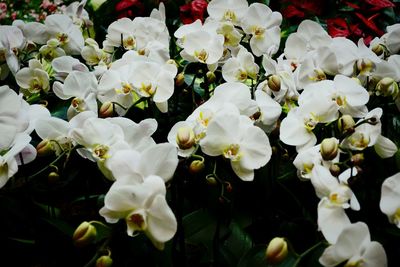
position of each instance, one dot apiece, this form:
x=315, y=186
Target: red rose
x=129, y=8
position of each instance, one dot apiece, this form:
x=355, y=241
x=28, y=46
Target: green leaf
x=24, y=241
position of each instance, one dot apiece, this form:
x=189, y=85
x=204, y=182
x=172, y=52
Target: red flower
x=379, y=4
x=129, y=8
x=193, y=11
x=337, y=27
x=302, y=8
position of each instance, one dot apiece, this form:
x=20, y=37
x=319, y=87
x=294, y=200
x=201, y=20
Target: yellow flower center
x=201, y=55
x=232, y=152
x=129, y=43
x=100, y=152
x=229, y=15
x=62, y=38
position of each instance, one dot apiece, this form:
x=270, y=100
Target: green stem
x=305, y=253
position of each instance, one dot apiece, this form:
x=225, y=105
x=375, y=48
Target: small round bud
x=84, y=234
x=104, y=261
x=185, y=138
x=44, y=148
x=335, y=170
x=196, y=166
x=387, y=87
x=211, y=180
x=53, y=43
x=378, y=49
x=53, y=177
x=329, y=148
x=211, y=77
x=106, y=110
x=276, y=251
x=180, y=79
x=274, y=83
x=346, y=124
x=357, y=159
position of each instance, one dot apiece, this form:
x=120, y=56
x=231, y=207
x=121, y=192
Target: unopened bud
x=277, y=250
x=180, y=79
x=387, y=87
x=104, y=261
x=185, y=138
x=378, y=49
x=346, y=124
x=106, y=110
x=329, y=148
x=357, y=159
x=53, y=43
x=44, y=148
x=211, y=180
x=210, y=77
x=274, y=83
x=84, y=234
x=196, y=166
x=335, y=170
x=53, y=177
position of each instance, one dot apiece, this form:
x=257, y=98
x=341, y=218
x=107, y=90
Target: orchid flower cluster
x=313, y=98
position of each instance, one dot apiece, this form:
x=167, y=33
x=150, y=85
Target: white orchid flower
x=390, y=198
x=264, y=26
x=62, y=28
x=309, y=36
x=8, y=161
x=391, y=39
x=11, y=39
x=131, y=164
x=227, y=10
x=269, y=111
x=62, y=66
x=34, y=79
x=143, y=207
x=354, y=248
x=297, y=128
x=236, y=138
x=349, y=96
x=82, y=86
x=241, y=67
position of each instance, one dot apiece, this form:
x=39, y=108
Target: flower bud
x=106, y=110
x=53, y=177
x=211, y=180
x=84, y=234
x=185, y=138
x=44, y=148
x=172, y=62
x=196, y=166
x=329, y=148
x=346, y=124
x=274, y=83
x=210, y=77
x=387, y=87
x=335, y=170
x=104, y=261
x=180, y=79
x=357, y=159
x=53, y=43
x=378, y=49
x=277, y=250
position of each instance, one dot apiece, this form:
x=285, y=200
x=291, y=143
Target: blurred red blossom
x=193, y=11
x=302, y=9
x=129, y=8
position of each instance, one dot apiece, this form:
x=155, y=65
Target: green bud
x=346, y=124
x=387, y=87
x=196, y=166
x=180, y=79
x=106, y=110
x=44, y=148
x=104, y=261
x=276, y=251
x=210, y=77
x=84, y=234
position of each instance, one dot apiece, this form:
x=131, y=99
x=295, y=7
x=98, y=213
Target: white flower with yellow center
x=390, y=198
x=264, y=27
x=11, y=39
x=62, y=28
x=227, y=10
x=354, y=248
x=241, y=67
x=143, y=207
x=236, y=138
x=33, y=79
